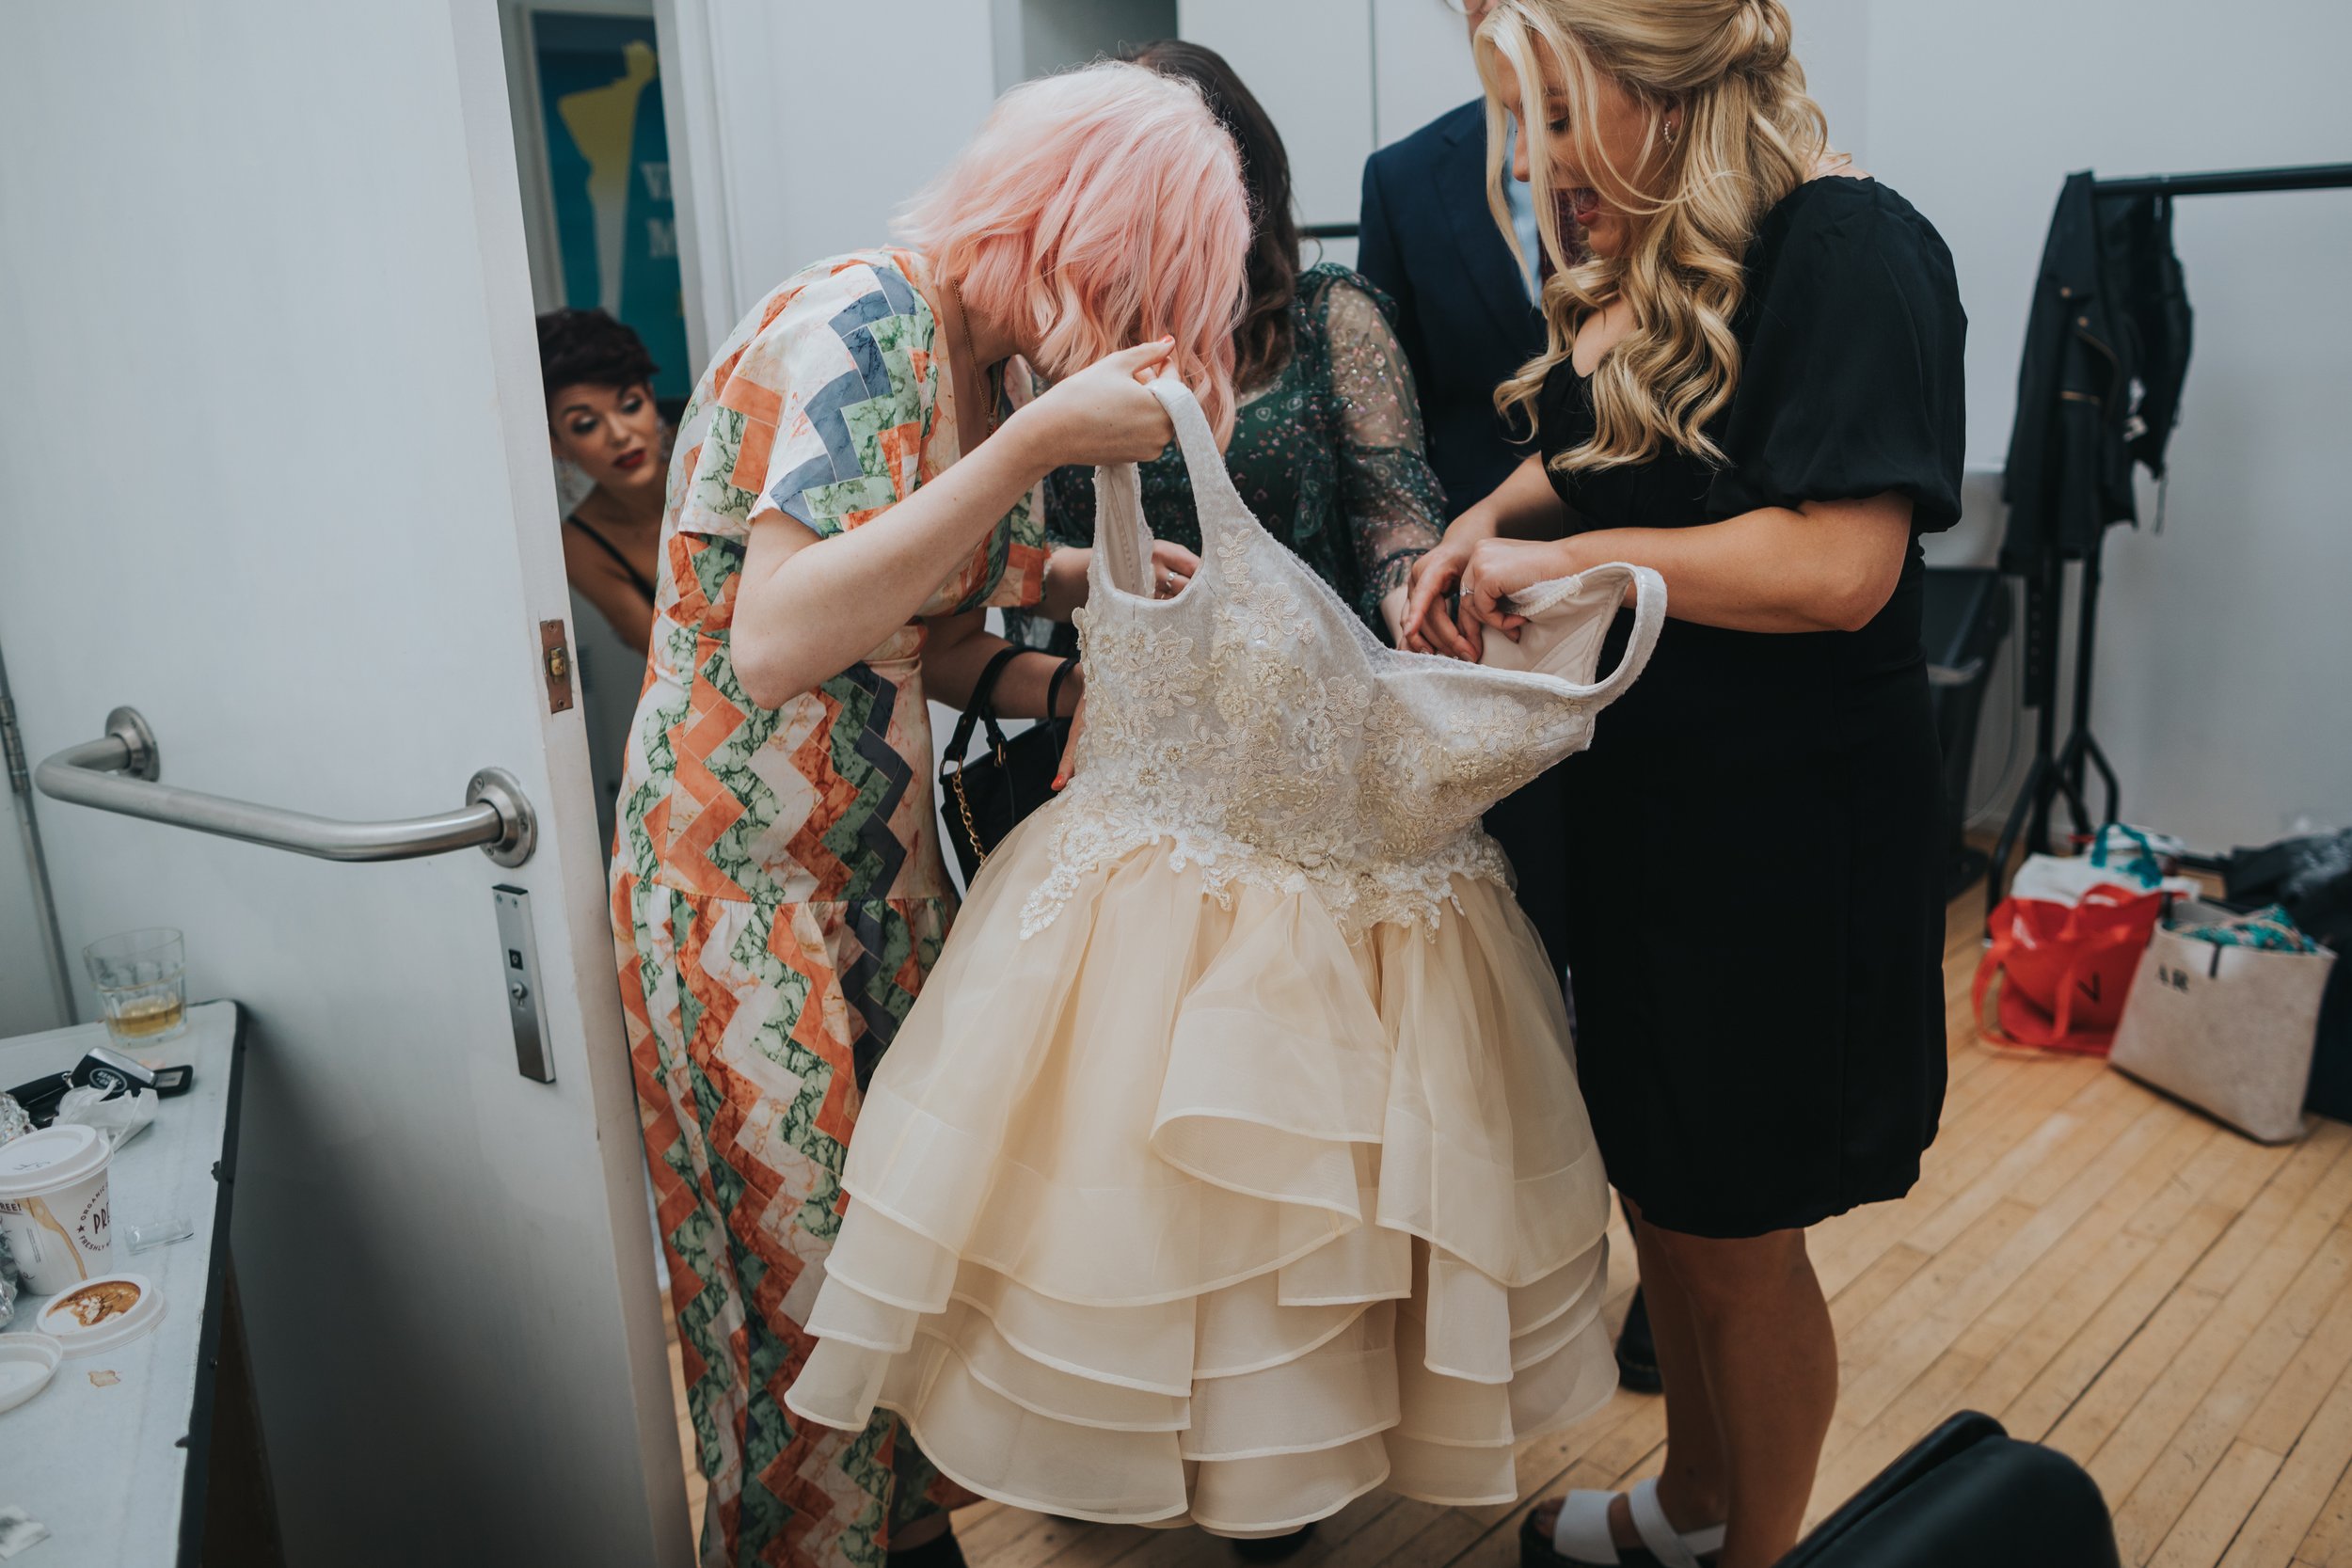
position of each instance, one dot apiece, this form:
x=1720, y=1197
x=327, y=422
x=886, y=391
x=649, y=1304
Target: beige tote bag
x=2227, y=1029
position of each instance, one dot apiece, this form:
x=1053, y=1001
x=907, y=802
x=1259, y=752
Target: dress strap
x=1568, y=618
x=1122, y=536
x=1122, y=539
x=1218, y=505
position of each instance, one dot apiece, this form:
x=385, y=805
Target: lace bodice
x=1254, y=724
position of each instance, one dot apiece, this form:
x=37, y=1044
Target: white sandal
x=1581, y=1535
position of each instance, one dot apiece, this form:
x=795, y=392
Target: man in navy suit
x=1467, y=319
x=1464, y=311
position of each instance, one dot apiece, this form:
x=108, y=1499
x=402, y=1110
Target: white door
x=273, y=471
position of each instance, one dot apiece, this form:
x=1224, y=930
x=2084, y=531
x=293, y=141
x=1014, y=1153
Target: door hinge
x=555, y=663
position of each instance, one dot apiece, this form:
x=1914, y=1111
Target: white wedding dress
x=1232, y=1163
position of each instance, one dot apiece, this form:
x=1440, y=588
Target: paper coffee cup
x=55, y=1209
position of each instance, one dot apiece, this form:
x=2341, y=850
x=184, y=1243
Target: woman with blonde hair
x=1753, y=386
x=853, y=485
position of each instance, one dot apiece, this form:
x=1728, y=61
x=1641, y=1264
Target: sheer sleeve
x=1394, y=507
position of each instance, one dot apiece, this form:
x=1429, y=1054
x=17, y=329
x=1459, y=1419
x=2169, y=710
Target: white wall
x=1340, y=78
x=28, y=1000
x=1420, y=66
x=1035, y=38
x=1310, y=63
x=797, y=127
x=2220, y=692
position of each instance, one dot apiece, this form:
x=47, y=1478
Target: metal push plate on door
x=518, y=959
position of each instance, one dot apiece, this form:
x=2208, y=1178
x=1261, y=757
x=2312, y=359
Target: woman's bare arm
x=1823, y=567
x=807, y=608
x=959, y=647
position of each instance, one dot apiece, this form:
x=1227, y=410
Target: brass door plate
x=555, y=662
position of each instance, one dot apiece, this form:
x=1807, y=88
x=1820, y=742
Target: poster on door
x=608, y=172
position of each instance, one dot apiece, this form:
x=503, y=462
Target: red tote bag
x=2065, y=969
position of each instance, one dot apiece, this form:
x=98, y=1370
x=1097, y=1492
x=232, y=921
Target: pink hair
x=1105, y=208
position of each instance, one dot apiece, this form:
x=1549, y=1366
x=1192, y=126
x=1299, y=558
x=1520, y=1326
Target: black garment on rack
x=2099, y=386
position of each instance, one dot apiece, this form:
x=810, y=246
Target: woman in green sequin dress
x=1327, y=448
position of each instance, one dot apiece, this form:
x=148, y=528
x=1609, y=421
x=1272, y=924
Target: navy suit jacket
x=1427, y=239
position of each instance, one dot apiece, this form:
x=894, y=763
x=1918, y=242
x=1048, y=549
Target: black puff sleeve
x=1852, y=381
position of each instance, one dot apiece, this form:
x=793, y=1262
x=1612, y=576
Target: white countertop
x=98, y=1455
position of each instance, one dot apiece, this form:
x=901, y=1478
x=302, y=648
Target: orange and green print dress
x=778, y=895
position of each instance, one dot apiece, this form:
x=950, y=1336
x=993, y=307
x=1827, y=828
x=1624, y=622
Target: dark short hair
x=589, y=348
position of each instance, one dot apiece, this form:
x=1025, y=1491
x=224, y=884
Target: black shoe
x=1273, y=1548
x=1637, y=1352
x=939, y=1552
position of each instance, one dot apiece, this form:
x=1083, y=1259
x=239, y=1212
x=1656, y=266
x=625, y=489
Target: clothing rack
x=2230, y=181
x=2062, y=769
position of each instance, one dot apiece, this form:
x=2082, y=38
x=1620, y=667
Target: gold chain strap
x=964, y=809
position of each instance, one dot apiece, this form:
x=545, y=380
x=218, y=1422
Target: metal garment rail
x=2228, y=182
x=119, y=773
x=2063, y=768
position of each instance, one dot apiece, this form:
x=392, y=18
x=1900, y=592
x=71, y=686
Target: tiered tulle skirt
x=1189, y=1209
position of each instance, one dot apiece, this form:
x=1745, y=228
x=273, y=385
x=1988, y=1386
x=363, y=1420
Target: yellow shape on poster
x=603, y=124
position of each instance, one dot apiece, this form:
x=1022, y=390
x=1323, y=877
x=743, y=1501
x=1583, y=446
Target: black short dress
x=1754, y=918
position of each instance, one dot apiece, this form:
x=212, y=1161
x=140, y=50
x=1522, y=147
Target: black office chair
x=1968, y=1496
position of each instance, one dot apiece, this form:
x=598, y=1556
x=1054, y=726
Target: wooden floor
x=2100, y=1268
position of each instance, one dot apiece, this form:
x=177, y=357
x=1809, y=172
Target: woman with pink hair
x=854, y=481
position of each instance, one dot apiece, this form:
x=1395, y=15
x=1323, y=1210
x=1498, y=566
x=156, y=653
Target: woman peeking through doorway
x=601, y=418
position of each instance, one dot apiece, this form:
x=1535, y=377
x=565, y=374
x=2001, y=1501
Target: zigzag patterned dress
x=778, y=896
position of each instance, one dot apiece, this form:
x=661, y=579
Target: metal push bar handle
x=119, y=774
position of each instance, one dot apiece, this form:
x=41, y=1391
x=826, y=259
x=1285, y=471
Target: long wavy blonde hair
x=1749, y=135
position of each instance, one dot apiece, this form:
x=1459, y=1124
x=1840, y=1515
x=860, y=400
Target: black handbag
x=1965, y=1496
x=982, y=798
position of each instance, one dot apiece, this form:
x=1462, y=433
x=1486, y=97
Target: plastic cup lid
x=40, y=1162
x=27, y=1363
x=99, y=1314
